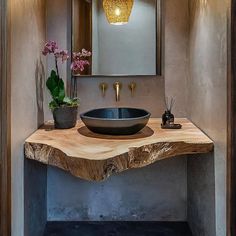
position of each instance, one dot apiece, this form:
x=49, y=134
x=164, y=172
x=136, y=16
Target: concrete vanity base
x=120, y=228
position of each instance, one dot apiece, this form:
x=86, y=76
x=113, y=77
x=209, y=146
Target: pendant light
x=118, y=11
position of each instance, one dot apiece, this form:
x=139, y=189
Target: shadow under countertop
x=117, y=228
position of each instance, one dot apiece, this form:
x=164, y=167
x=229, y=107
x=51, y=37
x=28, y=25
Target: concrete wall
x=208, y=110
x=72, y=203
x=35, y=198
x=27, y=78
x=138, y=194
x=201, y=195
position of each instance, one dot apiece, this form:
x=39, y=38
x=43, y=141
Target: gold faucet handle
x=103, y=87
x=132, y=87
x=117, y=84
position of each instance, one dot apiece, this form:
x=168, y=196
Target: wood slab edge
x=98, y=170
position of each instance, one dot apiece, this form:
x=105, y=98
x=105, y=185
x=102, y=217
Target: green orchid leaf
x=75, y=101
x=61, y=89
x=53, y=105
x=67, y=100
x=56, y=87
x=71, y=101
x=52, y=81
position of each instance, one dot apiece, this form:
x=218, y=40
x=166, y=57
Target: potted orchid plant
x=63, y=107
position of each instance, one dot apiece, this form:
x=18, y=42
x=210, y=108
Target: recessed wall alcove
x=189, y=189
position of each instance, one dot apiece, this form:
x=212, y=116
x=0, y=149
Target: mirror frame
x=159, y=48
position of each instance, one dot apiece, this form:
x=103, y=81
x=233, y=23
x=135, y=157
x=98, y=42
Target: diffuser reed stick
x=169, y=104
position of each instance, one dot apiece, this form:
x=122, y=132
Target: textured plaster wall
x=27, y=76
x=207, y=101
x=57, y=17
x=176, y=46
x=68, y=196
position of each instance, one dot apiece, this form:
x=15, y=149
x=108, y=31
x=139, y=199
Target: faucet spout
x=117, y=87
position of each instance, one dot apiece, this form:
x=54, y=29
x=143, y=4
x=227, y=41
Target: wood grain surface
x=95, y=157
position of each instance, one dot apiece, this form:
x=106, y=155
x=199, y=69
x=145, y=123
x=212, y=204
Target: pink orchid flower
x=49, y=47
x=63, y=54
x=79, y=65
x=86, y=53
x=83, y=53
x=78, y=60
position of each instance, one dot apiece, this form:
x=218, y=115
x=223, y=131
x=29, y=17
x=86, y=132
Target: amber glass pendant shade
x=118, y=11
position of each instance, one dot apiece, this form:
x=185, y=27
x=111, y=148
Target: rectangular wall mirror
x=124, y=36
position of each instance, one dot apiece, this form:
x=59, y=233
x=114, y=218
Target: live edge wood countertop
x=95, y=157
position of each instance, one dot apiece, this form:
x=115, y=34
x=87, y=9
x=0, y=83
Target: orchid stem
x=57, y=67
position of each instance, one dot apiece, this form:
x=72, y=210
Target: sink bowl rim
x=82, y=115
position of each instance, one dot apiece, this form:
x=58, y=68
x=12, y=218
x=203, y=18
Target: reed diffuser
x=168, y=118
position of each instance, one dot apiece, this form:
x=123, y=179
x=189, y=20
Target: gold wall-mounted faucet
x=103, y=86
x=132, y=87
x=117, y=86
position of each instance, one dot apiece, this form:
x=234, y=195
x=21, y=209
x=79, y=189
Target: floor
x=117, y=229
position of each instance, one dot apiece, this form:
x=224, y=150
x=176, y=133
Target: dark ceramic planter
x=65, y=117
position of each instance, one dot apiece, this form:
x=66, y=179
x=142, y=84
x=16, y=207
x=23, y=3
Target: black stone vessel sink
x=116, y=121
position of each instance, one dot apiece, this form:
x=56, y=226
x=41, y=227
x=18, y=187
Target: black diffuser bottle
x=168, y=118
